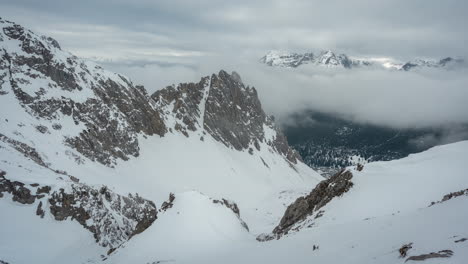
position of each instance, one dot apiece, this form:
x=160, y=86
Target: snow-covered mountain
x=331, y=59
x=75, y=139
x=95, y=170
x=367, y=214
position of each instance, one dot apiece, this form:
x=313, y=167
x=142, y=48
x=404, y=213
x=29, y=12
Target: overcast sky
x=176, y=31
x=162, y=42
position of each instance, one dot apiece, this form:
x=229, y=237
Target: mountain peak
x=222, y=106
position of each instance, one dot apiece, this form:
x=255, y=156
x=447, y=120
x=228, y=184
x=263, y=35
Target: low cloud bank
x=398, y=99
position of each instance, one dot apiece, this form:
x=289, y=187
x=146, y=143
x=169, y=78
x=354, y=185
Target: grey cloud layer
x=163, y=42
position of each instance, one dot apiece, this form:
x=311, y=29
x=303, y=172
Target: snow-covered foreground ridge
x=419, y=201
x=87, y=158
x=88, y=162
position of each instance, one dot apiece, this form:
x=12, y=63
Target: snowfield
x=386, y=208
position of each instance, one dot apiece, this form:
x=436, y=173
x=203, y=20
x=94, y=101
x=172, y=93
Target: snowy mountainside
x=91, y=137
x=432, y=178
x=69, y=98
x=330, y=59
x=389, y=204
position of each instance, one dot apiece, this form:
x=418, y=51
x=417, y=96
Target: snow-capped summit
x=285, y=59
x=447, y=62
x=331, y=59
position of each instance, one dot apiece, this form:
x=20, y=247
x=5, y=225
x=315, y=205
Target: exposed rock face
x=112, y=218
x=441, y=254
x=167, y=204
x=404, y=249
x=182, y=105
x=50, y=84
x=23, y=148
x=224, y=107
x=322, y=194
x=451, y=196
x=19, y=191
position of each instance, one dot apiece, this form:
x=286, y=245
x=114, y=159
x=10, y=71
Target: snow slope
x=387, y=207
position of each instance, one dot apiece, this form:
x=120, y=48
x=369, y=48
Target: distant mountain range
x=331, y=59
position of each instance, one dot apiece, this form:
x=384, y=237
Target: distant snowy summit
x=331, y=59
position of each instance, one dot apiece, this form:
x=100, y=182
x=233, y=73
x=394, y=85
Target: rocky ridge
x=222, y=106
x=105, y=113
x=297, y=213
x=112, y=218
x=106, y=109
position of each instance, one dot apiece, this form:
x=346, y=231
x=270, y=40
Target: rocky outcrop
x=167, y=204
x=112, y=218
x=451, y=196
x=19, y=191
x=404, y=249
x=234, y=208
x=440, y=254
x=222, y=106
x=23, y=148
x=181, y=105
x=307, y=205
